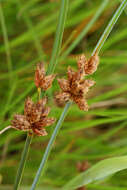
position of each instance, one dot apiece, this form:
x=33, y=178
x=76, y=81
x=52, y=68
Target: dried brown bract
x=75, y=88
x=34, y=118
x=92, y=64
x=41, y=80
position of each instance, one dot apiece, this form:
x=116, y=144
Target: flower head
x=34, y=118
x=92, y=64
x=42, y=81
x=75, y=88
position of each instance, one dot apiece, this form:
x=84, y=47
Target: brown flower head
x=41, y=80
x=92, y=64
x=75, y=88
x=34, y=118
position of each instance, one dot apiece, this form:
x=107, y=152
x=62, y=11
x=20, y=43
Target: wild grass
x=91, y=136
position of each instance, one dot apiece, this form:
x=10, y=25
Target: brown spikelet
x=34, y=119
x=81, y=102
x=20, y=123
x=82, y=61
x=75, y=88
x=42, y=81
x=92, y=64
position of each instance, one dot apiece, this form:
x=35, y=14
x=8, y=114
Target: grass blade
x=6, y=42
x=99, y=171
x=110, y=26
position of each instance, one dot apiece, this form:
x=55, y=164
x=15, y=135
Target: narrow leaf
x=99, y=171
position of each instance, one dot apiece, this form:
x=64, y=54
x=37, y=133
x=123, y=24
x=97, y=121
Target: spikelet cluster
x=76, y=87
x=35, y=118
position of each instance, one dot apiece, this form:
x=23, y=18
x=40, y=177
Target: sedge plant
x=97, y=49
x=54, y=60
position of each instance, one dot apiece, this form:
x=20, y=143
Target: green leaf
x=99, y=171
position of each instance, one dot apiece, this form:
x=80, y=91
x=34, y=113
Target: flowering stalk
x=51, y=67
x=110, y=26
x=58, y=37
x=64, y=113
x=22, y=162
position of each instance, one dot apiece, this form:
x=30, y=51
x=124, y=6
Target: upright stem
x=110, y=27
x=49, y=147
x=58, y=36
x=22, y=162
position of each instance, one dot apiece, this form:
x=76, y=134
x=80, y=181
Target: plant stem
x=6, y=42
x=5, y=129
x=110, y=27
x=85, y=30
x=22, y=162
x=58, y=36
x=49, y=147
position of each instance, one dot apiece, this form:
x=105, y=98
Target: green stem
x=58, y=37
x=85, y=30
x=110, y=27
x=6, y=42
x=22, y=162
x=50, y=145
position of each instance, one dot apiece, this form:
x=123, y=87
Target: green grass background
x=26, y=36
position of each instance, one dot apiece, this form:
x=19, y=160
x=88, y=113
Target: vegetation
x=26, y=36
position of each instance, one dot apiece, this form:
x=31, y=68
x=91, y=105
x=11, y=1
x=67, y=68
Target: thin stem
x=58, y=36
x=50, y=145
x=6, y=42
x=22, y=162
x=86, y=29
x=110, y=27
x=5, y=129
x=30, y=26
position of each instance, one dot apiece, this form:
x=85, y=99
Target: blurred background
x=27, y=30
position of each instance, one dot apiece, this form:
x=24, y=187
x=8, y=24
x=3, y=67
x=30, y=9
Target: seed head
x=75, y=88
x=34, y=118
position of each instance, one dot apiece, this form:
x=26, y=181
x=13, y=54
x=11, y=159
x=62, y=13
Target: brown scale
x=41, y=80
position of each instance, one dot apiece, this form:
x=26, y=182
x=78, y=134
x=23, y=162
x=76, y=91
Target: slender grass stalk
x=12, y=82
x=110, y=26
x=51, y=67
x=6, y=42
x=58, y=37
x=22, y=162
x=5, y=129
x=98, y=47
x=50, y=145
x=36, y=40
x=86, y=29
